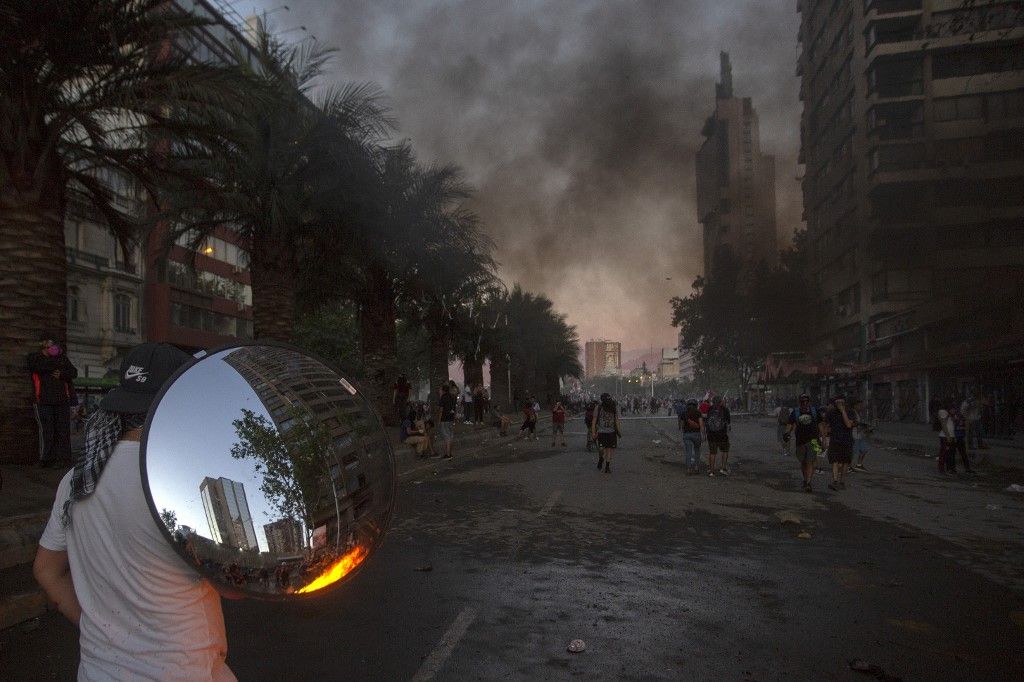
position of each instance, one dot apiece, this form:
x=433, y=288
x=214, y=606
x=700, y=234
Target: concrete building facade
x=735, y=180
x=601, y=357
x=913, y=143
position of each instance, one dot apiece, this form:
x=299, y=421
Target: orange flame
x=338, y=570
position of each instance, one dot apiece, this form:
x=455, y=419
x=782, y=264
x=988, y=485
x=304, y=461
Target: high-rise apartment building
x=735, y=181
x=913, y=144
x=284, y=537
x=227, y=513
x=601, y=357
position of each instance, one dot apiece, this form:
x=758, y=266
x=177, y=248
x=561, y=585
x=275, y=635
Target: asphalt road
x=496, y=562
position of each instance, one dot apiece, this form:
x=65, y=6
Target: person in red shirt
x=705, y=406
x=558, y=423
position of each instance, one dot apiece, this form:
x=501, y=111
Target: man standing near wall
x=52, y=392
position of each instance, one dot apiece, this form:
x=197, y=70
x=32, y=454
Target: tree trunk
x=500, y=389
x=379, y=341
x=33, y=300
x=439, y=352
x=273, y=271
x=552, y=391
x=473, y=371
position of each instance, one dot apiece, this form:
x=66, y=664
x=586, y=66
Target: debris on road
x=788, y=517
x=861, y=666
x=1015, y=488
x=656, y=442
x=425, y=568
x=576, y=646
x=993, y=507
x=804, y=535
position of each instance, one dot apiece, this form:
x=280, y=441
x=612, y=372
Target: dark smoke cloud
x=578, y=122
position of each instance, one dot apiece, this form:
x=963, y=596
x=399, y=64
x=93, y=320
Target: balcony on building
x=893, y=31
x=890, y=7
x=896, y=78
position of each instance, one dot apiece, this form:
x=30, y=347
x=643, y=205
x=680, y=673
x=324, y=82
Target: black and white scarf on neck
x=103, y=430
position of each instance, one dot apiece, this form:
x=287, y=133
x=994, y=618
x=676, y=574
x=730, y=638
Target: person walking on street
x=588, y=421
x=960, y=436
x=52, y=394
x=447, y=404
x=693, y=427
x=558, y=423
x=971, y=409
x=861, y=435
x=400, y=396
x=606, y=431
x=528, y=429
x=142, y=614
x=717, y=426
x=947, y=440
x=840, y=442
x=805, y=427
x=782, y=428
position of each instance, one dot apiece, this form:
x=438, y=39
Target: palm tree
x=292, y=158
x=381, y=254
x=537, y=342
x=92, y=93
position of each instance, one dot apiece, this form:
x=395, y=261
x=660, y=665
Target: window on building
x=123, y=313
x=76, y=307
x=896, y=77
x=897, y=120
x=958, y=108
x=1000, y=105
x=897, y=283
x=896, y=157
x=972, y=62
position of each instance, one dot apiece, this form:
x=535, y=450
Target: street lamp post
x=508, y=370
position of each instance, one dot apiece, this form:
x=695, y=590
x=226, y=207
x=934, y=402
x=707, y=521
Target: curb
x=15, y=609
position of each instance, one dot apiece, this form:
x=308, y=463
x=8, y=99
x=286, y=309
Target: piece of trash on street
x=786, y=516
x=425, y=568
x=993, y=507
x=656, y=442
x=907, y=537
x=804, y=535
x=862, y=666
x=576, y=646
x=1015, y=488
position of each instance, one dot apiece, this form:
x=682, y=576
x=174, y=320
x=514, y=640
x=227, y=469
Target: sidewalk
x=921, y=438
x=27, y=497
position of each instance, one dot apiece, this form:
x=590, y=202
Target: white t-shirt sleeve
x=54, y=537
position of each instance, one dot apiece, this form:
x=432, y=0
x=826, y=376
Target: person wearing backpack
x=606, y=431
x=806, y=427
x=717, y=426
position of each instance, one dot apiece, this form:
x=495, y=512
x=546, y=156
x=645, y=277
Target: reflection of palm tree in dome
x=294, y=463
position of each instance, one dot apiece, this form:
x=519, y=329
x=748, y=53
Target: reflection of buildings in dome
x=284, y=537
x=287, y=383
x=227, y=513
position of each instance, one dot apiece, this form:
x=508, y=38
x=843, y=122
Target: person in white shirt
x=947, y=440
x=142, y=613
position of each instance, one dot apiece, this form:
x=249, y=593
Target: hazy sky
x=577, y=121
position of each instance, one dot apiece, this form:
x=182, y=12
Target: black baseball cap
x=144, y=371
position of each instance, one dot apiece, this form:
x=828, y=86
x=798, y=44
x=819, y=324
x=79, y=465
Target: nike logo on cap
x=137, y=373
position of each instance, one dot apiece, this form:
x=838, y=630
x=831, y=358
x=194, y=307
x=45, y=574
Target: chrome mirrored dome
x=270, y=473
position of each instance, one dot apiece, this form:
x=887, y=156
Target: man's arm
x=53, y=573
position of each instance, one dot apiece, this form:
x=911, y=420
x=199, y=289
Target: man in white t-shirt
x=141, y=611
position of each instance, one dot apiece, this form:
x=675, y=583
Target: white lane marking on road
x=551, y=502
x=446, y=646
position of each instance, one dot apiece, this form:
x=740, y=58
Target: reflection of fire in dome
x=338, y=570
